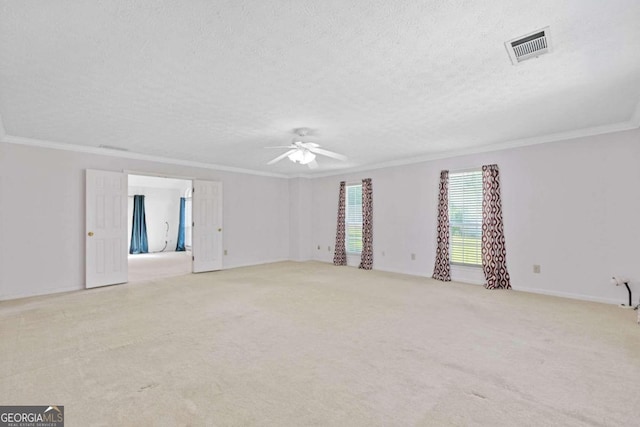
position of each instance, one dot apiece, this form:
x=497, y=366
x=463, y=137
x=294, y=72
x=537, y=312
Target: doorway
x=109, y=235
x=162, y=219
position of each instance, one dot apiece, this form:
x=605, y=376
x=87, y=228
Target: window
x=353, y=219
x=465, y=217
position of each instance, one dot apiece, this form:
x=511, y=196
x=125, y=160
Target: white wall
x=300, y=226
x=42, y=241
x=4, y=202
x=573, y=207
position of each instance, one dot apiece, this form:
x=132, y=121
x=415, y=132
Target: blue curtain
x=139, y=243
x=180, y=245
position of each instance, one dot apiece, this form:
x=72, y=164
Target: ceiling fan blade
x=281, y=146
x=313, y=164
x=328, y=153
x=310, y=145
x=280, y=157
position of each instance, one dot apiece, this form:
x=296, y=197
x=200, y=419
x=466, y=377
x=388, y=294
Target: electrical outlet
x=536, y=268
x=225, y=252
x=413, y=257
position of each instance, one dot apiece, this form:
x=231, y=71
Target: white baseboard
x=305, y=259
x=569, y=295
x=391, y=270
x=518, y=289
x=251, y=264
x=40, y=293
x=80, y=288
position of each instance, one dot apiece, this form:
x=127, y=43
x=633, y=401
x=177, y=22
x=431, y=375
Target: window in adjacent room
x=465, y=217
x=353, y=219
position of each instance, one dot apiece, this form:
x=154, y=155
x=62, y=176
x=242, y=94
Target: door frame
x=158, y=175
x=186, y=178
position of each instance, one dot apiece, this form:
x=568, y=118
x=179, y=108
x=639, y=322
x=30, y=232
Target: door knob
x=90, y=234
x=219, y=229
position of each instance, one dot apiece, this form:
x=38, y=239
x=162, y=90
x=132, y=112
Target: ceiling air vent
x=529, y=46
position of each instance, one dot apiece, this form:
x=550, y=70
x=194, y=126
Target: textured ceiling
x=379, y=80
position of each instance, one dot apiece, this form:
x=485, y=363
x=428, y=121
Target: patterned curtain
x=442, y=268
x=340, y=254
x=494, y=253
x=366, y=257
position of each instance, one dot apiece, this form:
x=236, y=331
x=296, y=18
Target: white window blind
x=353, y=219
x=465, y=217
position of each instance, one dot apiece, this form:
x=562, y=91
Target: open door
x=106, y=228
x=207, y=226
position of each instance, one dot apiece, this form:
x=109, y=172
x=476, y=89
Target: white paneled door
x=207, y=226
x=106, y=228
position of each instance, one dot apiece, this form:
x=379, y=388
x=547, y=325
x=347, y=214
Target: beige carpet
x=143, y=267
x=298, y=344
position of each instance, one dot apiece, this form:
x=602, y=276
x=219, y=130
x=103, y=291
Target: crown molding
x=633, y=123
x=301, y=176
x=130, y=155
x=554, y=137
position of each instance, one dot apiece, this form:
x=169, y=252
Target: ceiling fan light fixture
x=302, y=156
x=304, y=153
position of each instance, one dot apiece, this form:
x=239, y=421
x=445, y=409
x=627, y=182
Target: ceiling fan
x=304, y=152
